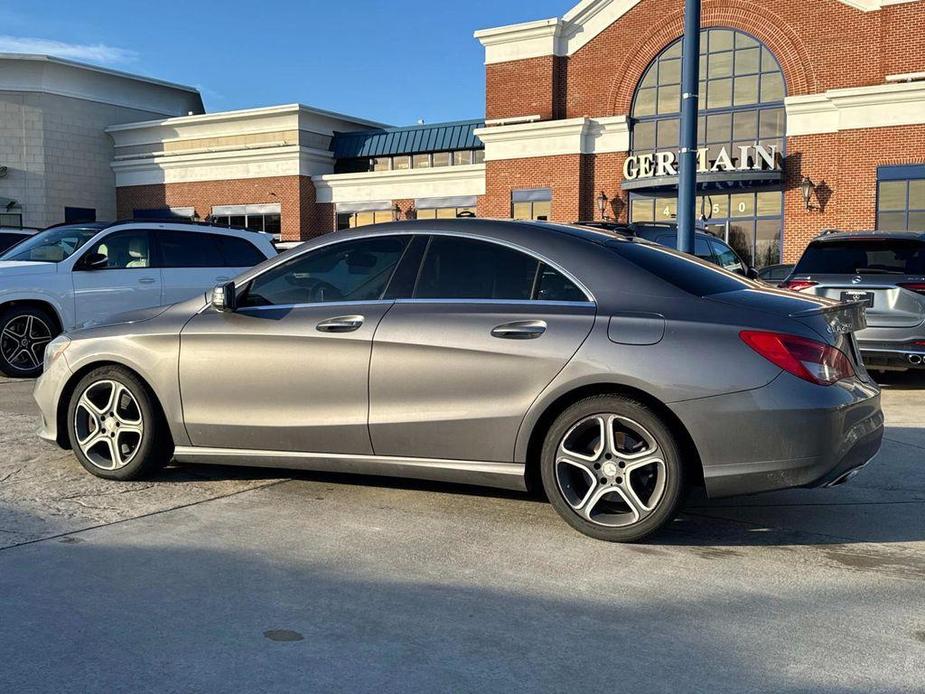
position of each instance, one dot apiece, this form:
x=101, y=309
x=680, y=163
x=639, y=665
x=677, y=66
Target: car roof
x=836, y=235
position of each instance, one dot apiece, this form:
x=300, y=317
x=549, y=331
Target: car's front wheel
x=612, y=469
x=24, y=333
x=115, y=427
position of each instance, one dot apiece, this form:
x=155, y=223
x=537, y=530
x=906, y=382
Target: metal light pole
x=690, y=83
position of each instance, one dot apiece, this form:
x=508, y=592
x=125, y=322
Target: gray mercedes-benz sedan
x=613, y=372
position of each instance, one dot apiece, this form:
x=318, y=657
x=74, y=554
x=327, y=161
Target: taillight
x=810, y=360
x=917, y=287
x=797, y=285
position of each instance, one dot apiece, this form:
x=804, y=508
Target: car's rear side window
x=239, y=252
x=863, y=256
x=701, y=248
x=187, y=249
x=459, y=268
x=690, y=275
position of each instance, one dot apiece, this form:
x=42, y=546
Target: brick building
x=825, y=97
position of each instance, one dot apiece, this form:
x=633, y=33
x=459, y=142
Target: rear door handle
x=340, y=324
x=520, y=330
x=147, y=280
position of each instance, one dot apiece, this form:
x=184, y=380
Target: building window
x=266, y=217
x=901, y=198
x=751, y=222
x=411, y=161
x=741, y=97
x=445, y=213
x=534, y=203
x=76, y=215
x=349, y=220
x=11, y=220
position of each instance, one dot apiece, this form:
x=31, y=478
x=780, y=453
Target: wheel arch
x=689, y=454
x=70, y=386
x=42, y=304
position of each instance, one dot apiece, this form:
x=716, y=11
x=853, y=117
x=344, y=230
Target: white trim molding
x=183, y=167
x=555, y=137
x=407, y=184
x=566, y=35
x=877, y=106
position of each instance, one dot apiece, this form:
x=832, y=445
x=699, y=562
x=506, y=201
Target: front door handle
x=340, y=324
x=520, y=330
x=147, y=280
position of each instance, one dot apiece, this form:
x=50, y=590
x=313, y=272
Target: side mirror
x=752, y=274
x=224, y=297
x=94, y=261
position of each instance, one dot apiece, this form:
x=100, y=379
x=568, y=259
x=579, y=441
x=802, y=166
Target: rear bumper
x=789, y=433
x=892, y=355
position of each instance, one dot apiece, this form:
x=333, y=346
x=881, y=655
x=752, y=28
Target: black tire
x=668, y=492
x=146, y=453
x=24, y=333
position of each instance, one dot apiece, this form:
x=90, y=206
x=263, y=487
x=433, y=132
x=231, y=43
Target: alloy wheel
x=610, y=470
x=109, y=424
x=23, y=340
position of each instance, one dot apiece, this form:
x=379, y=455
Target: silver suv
x=886, y=271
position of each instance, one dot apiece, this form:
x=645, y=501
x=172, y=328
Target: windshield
x=52, y=245
x=864, y=257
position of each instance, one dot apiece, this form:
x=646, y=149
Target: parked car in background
x=706, y=246
x=775, y=274
x=484, y=352
x=74, y=274
x=884, y=270
x=10, y=236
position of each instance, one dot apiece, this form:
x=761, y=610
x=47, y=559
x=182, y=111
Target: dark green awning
x=415, y=139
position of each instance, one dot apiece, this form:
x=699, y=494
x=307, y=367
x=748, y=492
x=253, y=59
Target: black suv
x=706, y=246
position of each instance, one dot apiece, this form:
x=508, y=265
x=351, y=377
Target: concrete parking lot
x=252, y=580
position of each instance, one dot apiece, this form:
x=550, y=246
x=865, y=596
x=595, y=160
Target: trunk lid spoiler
x=841, y=318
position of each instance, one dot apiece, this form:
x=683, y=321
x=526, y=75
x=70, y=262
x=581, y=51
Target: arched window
x=741, y=95
x=741, y=104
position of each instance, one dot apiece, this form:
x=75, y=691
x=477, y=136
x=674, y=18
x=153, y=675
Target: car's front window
x=52, y=245
x=349, y=271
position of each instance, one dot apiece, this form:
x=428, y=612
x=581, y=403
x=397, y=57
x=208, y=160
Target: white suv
x=73, y=274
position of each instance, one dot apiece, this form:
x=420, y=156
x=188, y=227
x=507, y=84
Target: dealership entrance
x=750, y=221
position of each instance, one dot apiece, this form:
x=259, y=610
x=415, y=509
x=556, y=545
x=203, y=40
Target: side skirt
x=502, y=475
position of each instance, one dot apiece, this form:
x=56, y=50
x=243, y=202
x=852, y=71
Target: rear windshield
x=864, y=257
x=688, y=274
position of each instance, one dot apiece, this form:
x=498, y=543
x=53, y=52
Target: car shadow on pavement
x=198, y=605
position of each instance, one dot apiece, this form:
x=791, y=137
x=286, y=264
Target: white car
x=73, y=274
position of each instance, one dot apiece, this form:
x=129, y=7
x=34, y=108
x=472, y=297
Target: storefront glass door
x=750, y=222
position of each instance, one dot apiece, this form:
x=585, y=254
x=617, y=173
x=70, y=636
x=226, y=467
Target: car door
x=123, y=278
x=194, y=261
x=288, y=369
x=455, y=367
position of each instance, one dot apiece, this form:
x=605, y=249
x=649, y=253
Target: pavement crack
x=7, y=476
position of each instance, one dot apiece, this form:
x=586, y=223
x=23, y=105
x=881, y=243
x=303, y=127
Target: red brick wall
x=301, y=216
x=521, y=88
x=844, y=168
x=566, y=175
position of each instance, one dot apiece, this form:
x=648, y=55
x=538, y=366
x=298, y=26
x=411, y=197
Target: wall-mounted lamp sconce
x=602, y=205
x=808, y=189
x=396, y=212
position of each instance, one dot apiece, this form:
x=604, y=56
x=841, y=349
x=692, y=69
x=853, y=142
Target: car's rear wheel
x=612, y=469
x=115, y=427
x=24, y=333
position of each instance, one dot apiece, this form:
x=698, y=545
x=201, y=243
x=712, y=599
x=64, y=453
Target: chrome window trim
x=383, y=302
x=422, y=232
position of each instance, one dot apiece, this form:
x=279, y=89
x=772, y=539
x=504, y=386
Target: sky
x=392, y=61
